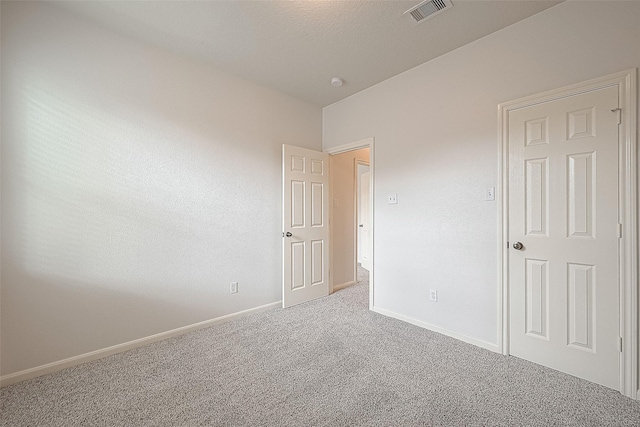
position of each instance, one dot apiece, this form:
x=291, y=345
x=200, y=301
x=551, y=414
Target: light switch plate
x=490, y=194
x=392, y=199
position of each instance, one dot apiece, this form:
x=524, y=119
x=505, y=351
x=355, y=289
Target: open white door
x=305, y=225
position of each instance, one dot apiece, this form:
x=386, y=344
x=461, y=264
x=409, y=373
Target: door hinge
x=619, y=112
x=619, y=231
x=620, y=344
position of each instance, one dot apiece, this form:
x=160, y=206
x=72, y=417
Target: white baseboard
x=344, y=285
x=49, y=368
x=469, y=340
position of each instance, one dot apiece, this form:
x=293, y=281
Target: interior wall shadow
x=62, y=318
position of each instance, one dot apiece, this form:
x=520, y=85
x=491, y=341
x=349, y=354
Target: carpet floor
x=330, y=362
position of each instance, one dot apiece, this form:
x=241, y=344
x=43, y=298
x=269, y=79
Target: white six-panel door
x=305, y=214
x=563, y=210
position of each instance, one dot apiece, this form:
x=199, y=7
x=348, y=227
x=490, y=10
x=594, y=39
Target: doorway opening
x=351, y=214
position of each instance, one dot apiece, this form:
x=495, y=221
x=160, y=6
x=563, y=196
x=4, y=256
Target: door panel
x=305, y=246
x=581, y=306
x=581, y=182
x=563, y=208
x=537, y=196
x=537, y=291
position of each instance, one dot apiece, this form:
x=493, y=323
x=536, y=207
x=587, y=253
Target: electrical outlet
x=233, y=288
x=392, y=199
x=433, y=295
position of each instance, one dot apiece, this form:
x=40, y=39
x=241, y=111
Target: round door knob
x=288, y=234
x=518, y=246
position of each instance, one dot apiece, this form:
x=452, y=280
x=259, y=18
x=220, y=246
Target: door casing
x=625, y=81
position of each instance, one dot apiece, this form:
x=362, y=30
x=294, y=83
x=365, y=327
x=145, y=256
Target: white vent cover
x=428, y=9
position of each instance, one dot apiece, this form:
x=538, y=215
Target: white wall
x=136, y=185
x=435, y=129
x=343, y=211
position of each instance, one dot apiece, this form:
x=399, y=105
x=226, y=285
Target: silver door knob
x=288, y=234
x=518, y=246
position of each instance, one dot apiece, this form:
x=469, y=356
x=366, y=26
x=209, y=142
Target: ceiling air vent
x=428, y=9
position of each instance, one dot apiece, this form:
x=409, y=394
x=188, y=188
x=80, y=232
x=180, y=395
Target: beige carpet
x=330, y=362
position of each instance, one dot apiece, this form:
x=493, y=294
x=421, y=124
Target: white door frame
x=364, y=143
x=627, y=214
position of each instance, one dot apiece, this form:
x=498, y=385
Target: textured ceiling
x=297, y=46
